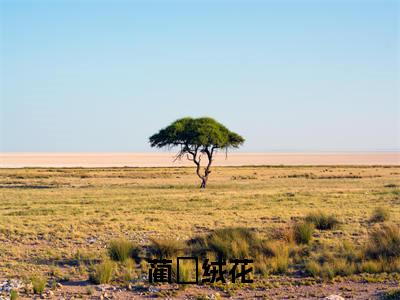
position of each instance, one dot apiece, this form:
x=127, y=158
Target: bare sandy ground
x=166, y=159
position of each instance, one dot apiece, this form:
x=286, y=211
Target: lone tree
x=197, y=137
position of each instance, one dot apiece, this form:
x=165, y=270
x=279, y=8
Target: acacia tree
x=197, y=138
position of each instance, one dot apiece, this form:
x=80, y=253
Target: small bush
x=384, y=243
x=380, y=214
x=38, y=284
x=322, y=221
x=303, y=232
x=166, y=248
x=102, y=273
x=121, y=250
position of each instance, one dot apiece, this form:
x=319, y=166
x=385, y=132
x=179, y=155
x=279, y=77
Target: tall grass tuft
x=102, y=273
x=38, y=284
x=380, y=214
x=232, y=242
x=186, y=271
x=370, y=266
x=303, y=232
x=121, y=250
x=384, y=243
x=280, y=262
x=128, y=271
x=322, y=221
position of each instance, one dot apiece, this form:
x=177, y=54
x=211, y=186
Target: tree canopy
x=195, y=137
x=202, y=132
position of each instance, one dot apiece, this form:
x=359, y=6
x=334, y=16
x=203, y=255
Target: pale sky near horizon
x=288, y=75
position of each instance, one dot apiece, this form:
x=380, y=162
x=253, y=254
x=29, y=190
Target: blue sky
x=287, y=75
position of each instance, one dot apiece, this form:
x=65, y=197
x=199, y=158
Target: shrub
x=121, y=250
x=303, y=232
x=380, y=214
x=38, y=284
x=322, y=221
x=166, y=248
x=384, y=243
x=102, y=273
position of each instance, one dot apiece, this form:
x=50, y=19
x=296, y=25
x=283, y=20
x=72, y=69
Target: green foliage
x=322, y=221
x=121, y=250
x=38, y=284
x=384, y=243
x=380, y=214
x=102, y=273
x=202, y=132
x=303, y=232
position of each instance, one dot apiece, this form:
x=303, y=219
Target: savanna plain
x=312, y=231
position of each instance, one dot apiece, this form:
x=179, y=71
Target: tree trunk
x=203, y=182
x=197, y=161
